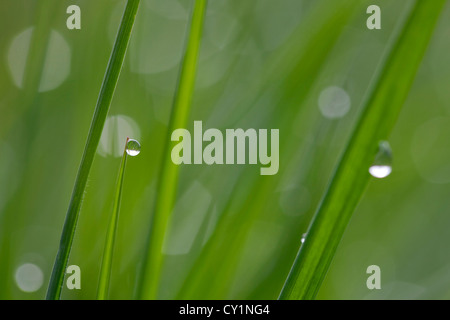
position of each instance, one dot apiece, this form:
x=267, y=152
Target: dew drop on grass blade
x=98, y=120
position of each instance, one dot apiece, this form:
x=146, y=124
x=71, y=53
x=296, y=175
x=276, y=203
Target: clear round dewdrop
x=133, y=147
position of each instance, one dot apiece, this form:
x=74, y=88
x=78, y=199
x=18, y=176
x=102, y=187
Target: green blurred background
x=302, y=66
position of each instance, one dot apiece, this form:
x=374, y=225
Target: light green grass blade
x=381, y=108
x=167, y=184
x=299, y=71
x=105, y=271
x=101, y=110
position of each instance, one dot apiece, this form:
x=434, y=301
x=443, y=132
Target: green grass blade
x=299, y=75
x=105, y=271
x=383, y=103
x=168, y=178
x=101, y=110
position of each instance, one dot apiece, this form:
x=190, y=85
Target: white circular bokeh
x=56, y=67
x=334, y=102
x=29, y=277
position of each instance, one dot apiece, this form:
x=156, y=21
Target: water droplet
x=382, y=166
x=29, y=277
x=133, y=147
x=303, y=237
x=116, y=130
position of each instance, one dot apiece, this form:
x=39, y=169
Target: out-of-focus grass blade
x=95, y=131
x=105, y=271
x=295, y=68
x=26, y=111
x=168, y=178
x=383, y=103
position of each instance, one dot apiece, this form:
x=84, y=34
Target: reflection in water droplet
x=303, y=238
x=380, y=171
x=133, y=147
x=29, y=277
x=382, y=166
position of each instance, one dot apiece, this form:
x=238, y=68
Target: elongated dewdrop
x=133, y=147
x=382, y=165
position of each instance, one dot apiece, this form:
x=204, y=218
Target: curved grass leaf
x=383, y=103
x=95, y=131
x=168, y=178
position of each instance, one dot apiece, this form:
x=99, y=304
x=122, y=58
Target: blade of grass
x=167, y=183
x=298, y=76
x=105, y=271
x=101, y=110
x=383, y=103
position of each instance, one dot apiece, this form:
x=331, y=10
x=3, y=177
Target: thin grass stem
x=101, y=110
